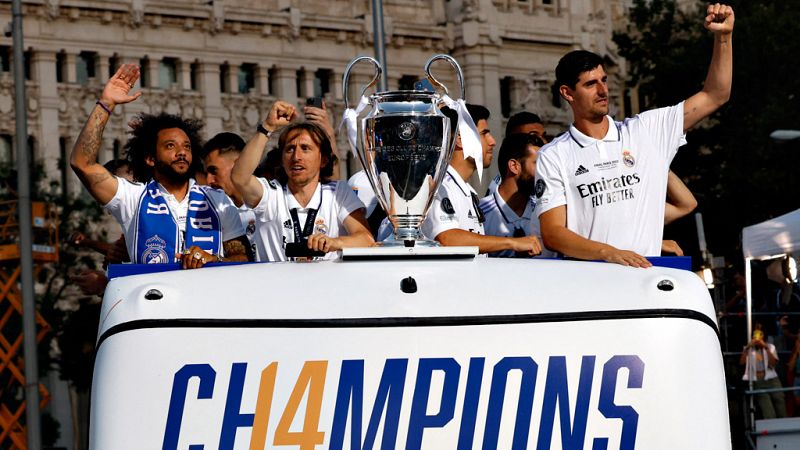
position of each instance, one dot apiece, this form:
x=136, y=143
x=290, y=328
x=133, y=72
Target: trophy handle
x=453, y=63
x=346, y=77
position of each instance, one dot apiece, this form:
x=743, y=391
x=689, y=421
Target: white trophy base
x=402, y=252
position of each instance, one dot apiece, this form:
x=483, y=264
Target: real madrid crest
x=628, y=159
x=539, y=188
x=155, y=253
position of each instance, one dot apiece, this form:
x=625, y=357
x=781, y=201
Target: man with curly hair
x=165, y=216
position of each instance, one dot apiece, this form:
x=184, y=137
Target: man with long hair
x=303, y=209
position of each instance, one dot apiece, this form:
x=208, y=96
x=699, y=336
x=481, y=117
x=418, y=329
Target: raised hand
x=119, y=86
x=719, y=19
x=280, y=115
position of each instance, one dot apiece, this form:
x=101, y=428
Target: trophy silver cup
x=405, y=144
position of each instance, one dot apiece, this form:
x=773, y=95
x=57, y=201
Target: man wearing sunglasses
x=509, y=208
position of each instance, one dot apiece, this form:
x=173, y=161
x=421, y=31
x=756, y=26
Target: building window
x=6, y=149
x=61, y=64
x=5, y=58
x=144, y=66
x=322, y=82
x=62, y=164
x=299, y=82
x=194, y=70
x=113, y=65
x=86, y=67
x=27, y=59
x=247, y=78
x=406, y=82
x=116, y=148
x=272, y=74
x=505, y=95
x=223, y=78
x=167, y=73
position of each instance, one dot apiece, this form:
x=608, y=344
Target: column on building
x=102, y=63
x=286, y=83
x=232, y=79
x=209, y=87
x=262, y=79
x=71, y=67
x=307, y=82
x=184, y=74
x=44, y=71
x=153, y=72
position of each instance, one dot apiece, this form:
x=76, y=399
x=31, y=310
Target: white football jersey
x=455, y=205
x=334, y=201
x=614, y=188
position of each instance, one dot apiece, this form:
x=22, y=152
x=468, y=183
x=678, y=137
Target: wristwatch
x=260, y=128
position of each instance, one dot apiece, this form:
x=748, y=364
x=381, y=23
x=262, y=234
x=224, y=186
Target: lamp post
x=26, y=236
x=785, y=135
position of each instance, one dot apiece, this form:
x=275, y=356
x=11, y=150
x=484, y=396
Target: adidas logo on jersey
x=581, y=170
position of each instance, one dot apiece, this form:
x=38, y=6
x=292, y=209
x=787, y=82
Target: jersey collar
x=465, y=188
x=292, y=202
x=583, y=140
x=508, y=214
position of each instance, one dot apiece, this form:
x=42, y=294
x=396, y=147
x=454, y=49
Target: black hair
x=223, y=142
x=115, y=164
x=144, y=137
x=320, y=137
x=515, y=146
x=519, y=119
x=269, y=166
x=573, y=64
x=477, y=112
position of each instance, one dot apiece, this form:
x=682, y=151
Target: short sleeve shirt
x=335, y=201
x=362, y=187
x=455, y=205
x=125, y=208
x=503, y=221
x=614, y=188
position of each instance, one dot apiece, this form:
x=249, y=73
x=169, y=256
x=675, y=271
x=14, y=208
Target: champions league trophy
x=405, y=146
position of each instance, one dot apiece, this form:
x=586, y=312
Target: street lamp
x=785, y=135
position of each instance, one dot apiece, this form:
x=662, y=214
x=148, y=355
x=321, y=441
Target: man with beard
x=509, y=208
x=165, y=216
x=601, y=185
x=454, y=218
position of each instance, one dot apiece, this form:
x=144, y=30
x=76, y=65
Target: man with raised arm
x=602, y=185
x=303, y=207
x=165, y=216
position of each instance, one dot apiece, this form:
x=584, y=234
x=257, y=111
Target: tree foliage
x=738, y=174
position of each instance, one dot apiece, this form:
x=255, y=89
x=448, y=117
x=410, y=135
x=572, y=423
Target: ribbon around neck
x=470, y=139
x=350, y=120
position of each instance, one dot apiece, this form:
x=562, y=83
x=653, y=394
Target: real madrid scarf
x=157, y=236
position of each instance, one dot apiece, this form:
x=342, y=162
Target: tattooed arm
x=100, y=183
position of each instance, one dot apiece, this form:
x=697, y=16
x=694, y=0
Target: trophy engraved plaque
x=404, y=144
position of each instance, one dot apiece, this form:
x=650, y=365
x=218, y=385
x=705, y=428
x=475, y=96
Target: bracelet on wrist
x=260, y=128
x=103, y=105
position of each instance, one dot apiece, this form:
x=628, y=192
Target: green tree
x=738, y=174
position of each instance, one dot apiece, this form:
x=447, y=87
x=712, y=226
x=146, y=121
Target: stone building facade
x=226, y=61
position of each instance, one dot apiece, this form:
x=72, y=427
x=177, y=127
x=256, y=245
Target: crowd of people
x=597, y=191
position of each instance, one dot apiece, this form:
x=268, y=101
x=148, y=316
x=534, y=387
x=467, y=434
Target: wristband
x=260, y=128
x=103, y=105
